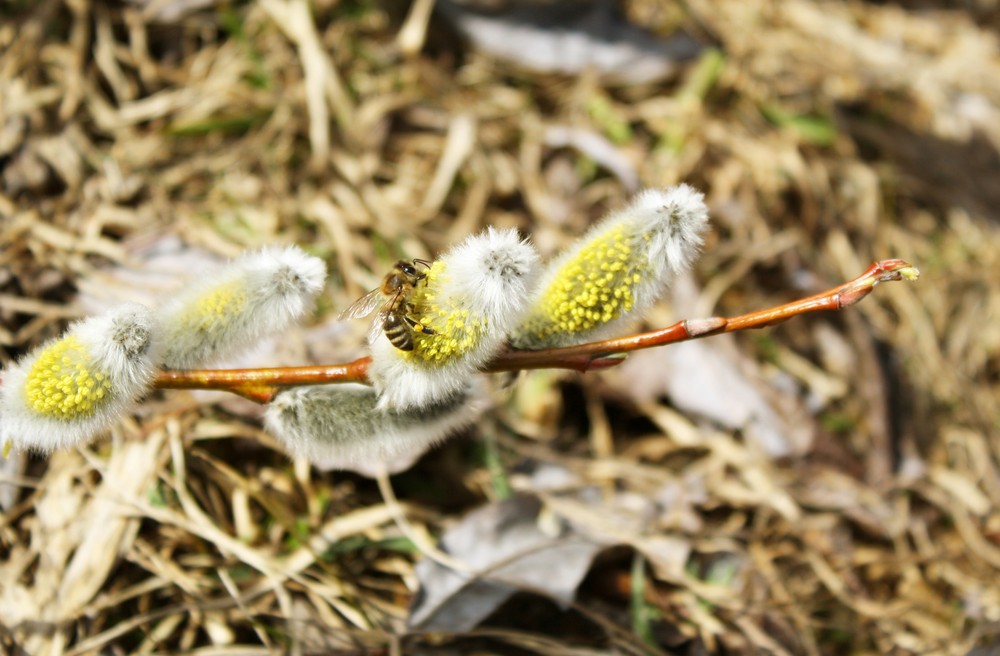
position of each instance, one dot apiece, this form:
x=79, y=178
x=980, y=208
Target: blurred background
x=826, y=486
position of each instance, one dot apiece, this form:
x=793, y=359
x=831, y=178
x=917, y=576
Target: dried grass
x=835, y=134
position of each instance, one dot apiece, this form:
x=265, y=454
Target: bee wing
x=378, y=324
x=364, y=305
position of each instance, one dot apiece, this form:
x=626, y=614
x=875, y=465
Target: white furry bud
x=344, y=427
x=257, y=295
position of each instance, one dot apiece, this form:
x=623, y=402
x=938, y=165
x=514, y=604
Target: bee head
x=410, y=269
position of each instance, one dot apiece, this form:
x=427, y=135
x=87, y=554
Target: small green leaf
x=643, y=614
x=703, y=76
x=611, y=121
x=157, y=496
x=812, y=128
x=494, y=464
x=219, y=125
x=837, y=422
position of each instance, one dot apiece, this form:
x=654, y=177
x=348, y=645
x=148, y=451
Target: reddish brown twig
x=262, y=384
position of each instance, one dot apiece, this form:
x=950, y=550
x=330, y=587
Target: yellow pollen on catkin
x=456, y=331
x=63, y=384
x=216, y=306
x=593, y=288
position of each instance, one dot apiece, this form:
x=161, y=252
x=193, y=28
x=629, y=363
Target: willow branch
x=262, y=385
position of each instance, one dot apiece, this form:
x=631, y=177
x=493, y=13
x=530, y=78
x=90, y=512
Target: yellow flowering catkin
x=592, y=289
x=457, y=331
x=72, y=389
x=470, y=299
x=257, y=295
x=63, y=382
x=214, y=307
x=620, y=267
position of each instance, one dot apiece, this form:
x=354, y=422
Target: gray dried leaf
x=507, y=546
x=171, y=11
x=705, y=380
x=569, y=37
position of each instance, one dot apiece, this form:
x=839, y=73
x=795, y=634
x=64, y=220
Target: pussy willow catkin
x=70, y=390
x=618, y=269
x=257, y=295
x=343, y=426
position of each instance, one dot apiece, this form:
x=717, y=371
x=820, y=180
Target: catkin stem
x=262, y=385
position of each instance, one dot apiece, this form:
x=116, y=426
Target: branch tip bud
x=699, y=327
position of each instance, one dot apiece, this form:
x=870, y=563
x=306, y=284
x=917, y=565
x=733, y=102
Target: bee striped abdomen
x=398, y=332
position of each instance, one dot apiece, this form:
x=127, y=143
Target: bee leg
x=417, y=326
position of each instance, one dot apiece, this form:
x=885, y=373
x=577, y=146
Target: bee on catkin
x=617, y=270
x=70, y=390
x=393, y=295
x=466, y=305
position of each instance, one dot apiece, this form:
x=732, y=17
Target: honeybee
x=394, y=316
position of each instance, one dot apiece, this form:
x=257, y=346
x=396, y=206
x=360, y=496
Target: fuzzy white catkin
x=257, y=295
x=618, y=269
x=473, y=295
x=343, y=427
x=71, y=389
